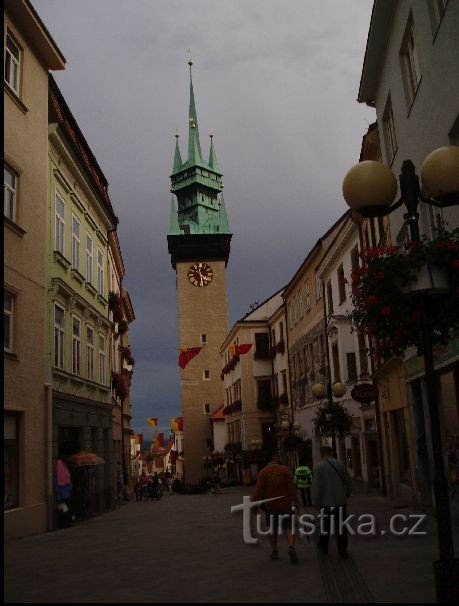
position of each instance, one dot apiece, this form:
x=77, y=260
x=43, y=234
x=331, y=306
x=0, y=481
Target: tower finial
x=190, y=60
x=177, y=133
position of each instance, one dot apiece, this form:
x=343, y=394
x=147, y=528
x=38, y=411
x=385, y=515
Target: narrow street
x=190, y=549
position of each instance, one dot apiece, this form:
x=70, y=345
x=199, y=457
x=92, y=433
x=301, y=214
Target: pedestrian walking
x=331, y=487
x=143, y=481
x=302, y=479
x=170, y=482
x=275, y=480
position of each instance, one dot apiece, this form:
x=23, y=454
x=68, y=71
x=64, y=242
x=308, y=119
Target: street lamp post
x=337, y=390
x=369, y=188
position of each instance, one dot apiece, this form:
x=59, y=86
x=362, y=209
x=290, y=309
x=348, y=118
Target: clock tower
x=199, y=245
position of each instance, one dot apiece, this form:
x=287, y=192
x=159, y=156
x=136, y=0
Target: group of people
x=149, y=487
x=327, y=489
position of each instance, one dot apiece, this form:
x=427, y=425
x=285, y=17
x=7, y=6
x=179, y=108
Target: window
x=362, y=354
x=59, y=244
x=100, y=271
x=410, y=64
x=264, y=393
x=90, y=352
x=59, y=333
x=12, y=63
x=281, y=331
x=9, y=193
x=89, y=259
x=8, y=320
x=335, y=357
x=76, y=345
x=75, y=244
x=341, y=284
x=262, y=345
x=102, y=356
x=10, y=460
x=307, y=289
x=290, y=316
x=300, y=304
x=330, y=298
x=295, y=310
x=203, y=339
x=355, y=258
x=273, y=337
x=351, y=367
x=206, y=409
x=389, y=131
x=318, y=288
x=206, y=375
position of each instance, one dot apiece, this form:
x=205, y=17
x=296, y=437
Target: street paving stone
x=190, y=549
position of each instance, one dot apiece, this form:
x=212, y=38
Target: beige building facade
x=30, y=53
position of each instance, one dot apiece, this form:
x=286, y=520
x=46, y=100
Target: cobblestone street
x=190, y=549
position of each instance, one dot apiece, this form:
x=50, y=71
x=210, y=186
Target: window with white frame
x=203, y=339
x=308, y=295
x=89, y=259
x=10, y=183
x=59, y=336
x=100, y=271
x=102, y=358
x=410, y=63
x=76, y=345
x=12, y=63
x=300, y=303
x=8, y=320
x=206, y=375
x=389, y=131
x=90, y=352
x=318, y=288
x=75, y=243
x=59, y=243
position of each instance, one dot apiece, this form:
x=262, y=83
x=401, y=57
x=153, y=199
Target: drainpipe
x=49, y=456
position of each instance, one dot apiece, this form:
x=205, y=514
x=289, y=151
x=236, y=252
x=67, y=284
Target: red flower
x=386, y=311
x=372, y=300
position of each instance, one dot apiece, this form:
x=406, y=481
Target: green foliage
x=333, y=419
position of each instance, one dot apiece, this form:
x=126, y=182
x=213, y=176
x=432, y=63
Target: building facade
x=410, y=77
x=199, y=245
x=80, y=219
x=29, y=54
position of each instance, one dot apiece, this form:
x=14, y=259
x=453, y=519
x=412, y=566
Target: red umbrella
x=85, y=458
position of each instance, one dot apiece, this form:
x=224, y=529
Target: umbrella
x=85, y=458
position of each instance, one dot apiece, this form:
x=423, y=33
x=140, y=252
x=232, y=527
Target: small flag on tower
x=177, y=424
x=187, y=354
x=152, y=422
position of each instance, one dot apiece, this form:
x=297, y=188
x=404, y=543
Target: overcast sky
x=275, y=80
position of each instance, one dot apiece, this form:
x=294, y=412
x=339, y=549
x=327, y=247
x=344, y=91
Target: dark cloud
x=275, y=80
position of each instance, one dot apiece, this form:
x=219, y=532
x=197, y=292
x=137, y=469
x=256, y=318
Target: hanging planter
x=387, y=288
x=333, y=420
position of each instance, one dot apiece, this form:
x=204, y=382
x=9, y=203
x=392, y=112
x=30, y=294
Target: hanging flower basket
x=333, y=420
x=386, y=293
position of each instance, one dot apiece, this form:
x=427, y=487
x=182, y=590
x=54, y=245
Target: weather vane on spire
x=190, y=60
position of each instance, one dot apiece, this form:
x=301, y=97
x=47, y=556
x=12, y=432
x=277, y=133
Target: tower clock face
x=200, y=274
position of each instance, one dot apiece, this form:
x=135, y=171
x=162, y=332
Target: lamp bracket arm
x=395, y=205
x=440, y=204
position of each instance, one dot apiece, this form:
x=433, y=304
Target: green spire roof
x=177, y=158
x=197, y=185
x=194, y=146
x=213, y=162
